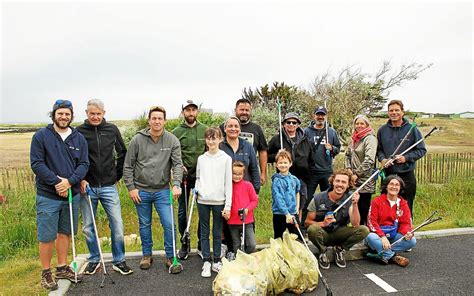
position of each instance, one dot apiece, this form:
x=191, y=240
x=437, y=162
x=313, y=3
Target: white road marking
x=381, y=283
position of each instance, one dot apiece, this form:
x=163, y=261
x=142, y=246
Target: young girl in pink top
x=244, y=198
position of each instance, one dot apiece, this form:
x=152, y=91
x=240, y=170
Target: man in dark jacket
x=58, y=157
x=295, y=142
x=389, y=136
x=106, y=169
x=191, y=138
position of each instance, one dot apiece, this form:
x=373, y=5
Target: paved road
x=439, y=266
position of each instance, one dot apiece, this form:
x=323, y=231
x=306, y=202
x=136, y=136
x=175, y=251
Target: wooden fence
x=444, y=167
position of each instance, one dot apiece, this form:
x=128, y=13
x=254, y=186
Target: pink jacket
x=243, y=196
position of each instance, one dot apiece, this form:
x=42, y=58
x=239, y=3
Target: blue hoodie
x=321, y=162
x=389, y=137
x=284, y=189
x=51, y=157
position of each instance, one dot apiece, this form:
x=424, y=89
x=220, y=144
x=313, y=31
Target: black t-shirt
x=252, y=133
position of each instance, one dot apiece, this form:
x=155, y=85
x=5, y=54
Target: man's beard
x=244, y=121
x=190, y=119
x=61, y=124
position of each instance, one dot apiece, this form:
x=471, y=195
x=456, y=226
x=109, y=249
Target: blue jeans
x=375, y=243
x=161, y=201
x=110, y=200
x=205, y=223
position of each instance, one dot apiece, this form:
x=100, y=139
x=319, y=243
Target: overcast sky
x=135, y=55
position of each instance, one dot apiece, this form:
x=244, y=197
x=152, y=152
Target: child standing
x=285, y=195
x=214, y=195
x=244, y=201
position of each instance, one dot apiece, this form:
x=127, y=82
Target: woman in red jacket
x=389, y=219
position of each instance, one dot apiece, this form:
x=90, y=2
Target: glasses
x=291, y=122
x=63, y=103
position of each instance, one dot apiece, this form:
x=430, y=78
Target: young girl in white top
x=214, y=195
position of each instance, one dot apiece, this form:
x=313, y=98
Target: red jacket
x=381, y=214
x=243, y=196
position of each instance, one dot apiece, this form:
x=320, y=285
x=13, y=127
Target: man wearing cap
x=153, y=164
x=253, y=133
x=297, y=144
x=191, y=137
x=323, y=151
x=59, y=159
x=106, y=155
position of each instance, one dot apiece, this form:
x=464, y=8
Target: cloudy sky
x=135, y=55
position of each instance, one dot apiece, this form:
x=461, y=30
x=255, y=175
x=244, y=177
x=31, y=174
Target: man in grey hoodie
x=153, y=155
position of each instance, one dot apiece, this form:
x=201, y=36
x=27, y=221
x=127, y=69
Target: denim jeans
x=205, y=223
x=375, y=243
x=110, y=200
x=161, y=201
x=182, y=211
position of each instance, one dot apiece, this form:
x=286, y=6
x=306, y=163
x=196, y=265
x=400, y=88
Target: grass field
x=19, y=264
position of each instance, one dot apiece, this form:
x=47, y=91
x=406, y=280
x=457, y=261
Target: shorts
x=52, y=217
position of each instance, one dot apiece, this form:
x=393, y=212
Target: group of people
x=223, y=168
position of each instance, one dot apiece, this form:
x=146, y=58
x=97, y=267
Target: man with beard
x=106, y=155
x=191, y=137
x=253, y=133
x=59, y=159
x=389, y=136
x=326, y=228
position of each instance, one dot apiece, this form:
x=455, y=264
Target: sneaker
x=409, y=250
x=122, y=268
x=230, y=256
x=199, y=252
x=183, y=252
x=223, y=250
x=66, y=272
x=174, y=269
x=206, y=269
x=383, y=260
x=340, y=260
x=217, y=266
x=91, y=267
x=146, y=262
x=47, y=280
x=400, y=260
x=324, y=261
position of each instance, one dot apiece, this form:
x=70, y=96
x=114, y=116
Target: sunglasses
x=291, y=122
x=63, y=103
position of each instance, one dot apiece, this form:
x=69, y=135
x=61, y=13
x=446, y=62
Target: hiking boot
x=91, y=267
x=339, y=254
x=122, y=268
x=217, y=266
x=400, y=260
x=183, y=252
x=66, y=272
x=324, y=261
x=146, y=262
x=206, y=269
x=230, y=256
x=174, y=269
x=47, y=280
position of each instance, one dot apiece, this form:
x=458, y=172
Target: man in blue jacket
x=59, y=159
x=389, y=136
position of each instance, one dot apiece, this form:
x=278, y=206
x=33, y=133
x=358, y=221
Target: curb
x=357, y=252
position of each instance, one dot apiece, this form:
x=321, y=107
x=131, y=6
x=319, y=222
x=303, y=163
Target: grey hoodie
x=148, y=164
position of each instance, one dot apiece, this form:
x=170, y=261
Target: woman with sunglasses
x=296, y=143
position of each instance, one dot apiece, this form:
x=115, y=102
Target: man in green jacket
x=191, y=137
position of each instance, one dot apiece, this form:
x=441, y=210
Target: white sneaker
x=223, y=250
x=217, y=266
x=206, y=269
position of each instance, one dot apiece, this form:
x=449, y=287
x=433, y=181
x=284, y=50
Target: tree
x=353, y=92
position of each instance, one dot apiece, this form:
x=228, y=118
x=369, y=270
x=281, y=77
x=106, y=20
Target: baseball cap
x=189, y=103
x=60, y=103
x=320, y=109
x=292, y=115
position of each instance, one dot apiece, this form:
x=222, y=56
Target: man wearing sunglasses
x=59, y=159
x=297, y=144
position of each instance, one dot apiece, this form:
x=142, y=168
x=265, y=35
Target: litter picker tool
x=328, y=153
x=378, y=171
x=431, y=219
x=176, y=266
x=74, y=263
x=279, y=121
x=328, y=290
x=88, y=190
x=242, y=218
x=186, y=239
x=405, y=138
